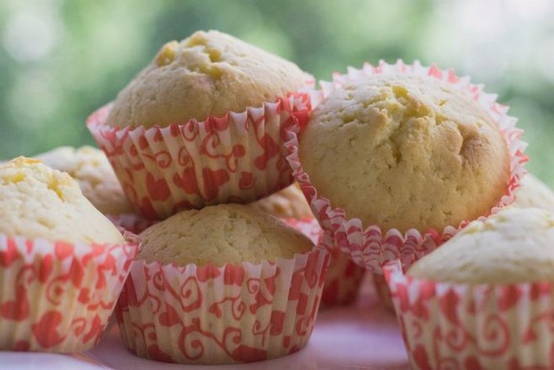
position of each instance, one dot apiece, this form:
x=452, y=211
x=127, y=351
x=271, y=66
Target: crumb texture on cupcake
x=513, y=246
x=534, y=193
x=226, y=233
x=96, y=178
x=287, y=203
x=404, y=151
x=208, y=73
x=40, y=202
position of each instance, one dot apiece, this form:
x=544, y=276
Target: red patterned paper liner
x=236, y=157
x=382, y=290
x=343, y=279
x=215, y=315
x=372, y=247
x=487, y=326
x=58, y=296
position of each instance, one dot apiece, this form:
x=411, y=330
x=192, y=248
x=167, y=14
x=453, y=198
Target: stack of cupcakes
x=408, y=172
x=393, y=161
x=194, y=137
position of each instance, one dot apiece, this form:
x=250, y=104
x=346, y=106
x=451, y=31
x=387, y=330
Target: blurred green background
x=61, y=59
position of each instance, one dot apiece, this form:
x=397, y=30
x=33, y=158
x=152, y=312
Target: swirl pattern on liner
x=236, y=157
x=449, y=325
x=215, y=315
x=57, y=296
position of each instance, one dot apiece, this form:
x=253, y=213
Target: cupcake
x=534, y=193
x=484, y=299
x=287, y=203
x=62, y=263
x=224, y=284
x=202, y=124
x=92, y=170
x=343, y=278
x=396, y=158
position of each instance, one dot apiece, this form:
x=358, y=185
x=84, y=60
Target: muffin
x=62, y=263
x=223, y=284
x=207, y=74
x=203, y=124
x=490, y=289
x=92, y=170
x=514, y=246
x=397, y=158
x=287, y=203
x=534, y=193
x=219, y=235
x=40, y=202
x=370, y=138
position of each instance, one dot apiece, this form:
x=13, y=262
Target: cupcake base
x=58, y=297
x=218, y=315
x=462, y=326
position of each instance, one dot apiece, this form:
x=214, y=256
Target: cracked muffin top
x=404, y=151
x=39, y=202
x=96, y=178
x=221, y=234
x=208, y=73
x=513, y=246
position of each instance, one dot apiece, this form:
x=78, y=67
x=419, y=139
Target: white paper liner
x=58, y=296
x=372, y=247
x=216, y=315
x=236, y=157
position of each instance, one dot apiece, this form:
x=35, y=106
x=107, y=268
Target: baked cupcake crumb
x=221, y=234
x=208, y=73
x=96, y=178
x=513, y=246
x=40, y=202
x=404, y=151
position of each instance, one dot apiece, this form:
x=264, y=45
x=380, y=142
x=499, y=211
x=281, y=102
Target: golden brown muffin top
x=208, y=73
x=96, y=178
x=404, y=151
x=39, y=202
x=513, y=246
x=221, y=234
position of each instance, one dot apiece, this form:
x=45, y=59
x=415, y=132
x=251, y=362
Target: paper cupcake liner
x=462, y=326
x=216, y=315
x=343, y=280
x=237, y=157
x=57, y=296
x=382, y=290
x=372, y=247
x=344, y=277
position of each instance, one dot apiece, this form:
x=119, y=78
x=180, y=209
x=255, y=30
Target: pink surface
x=362, y=336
